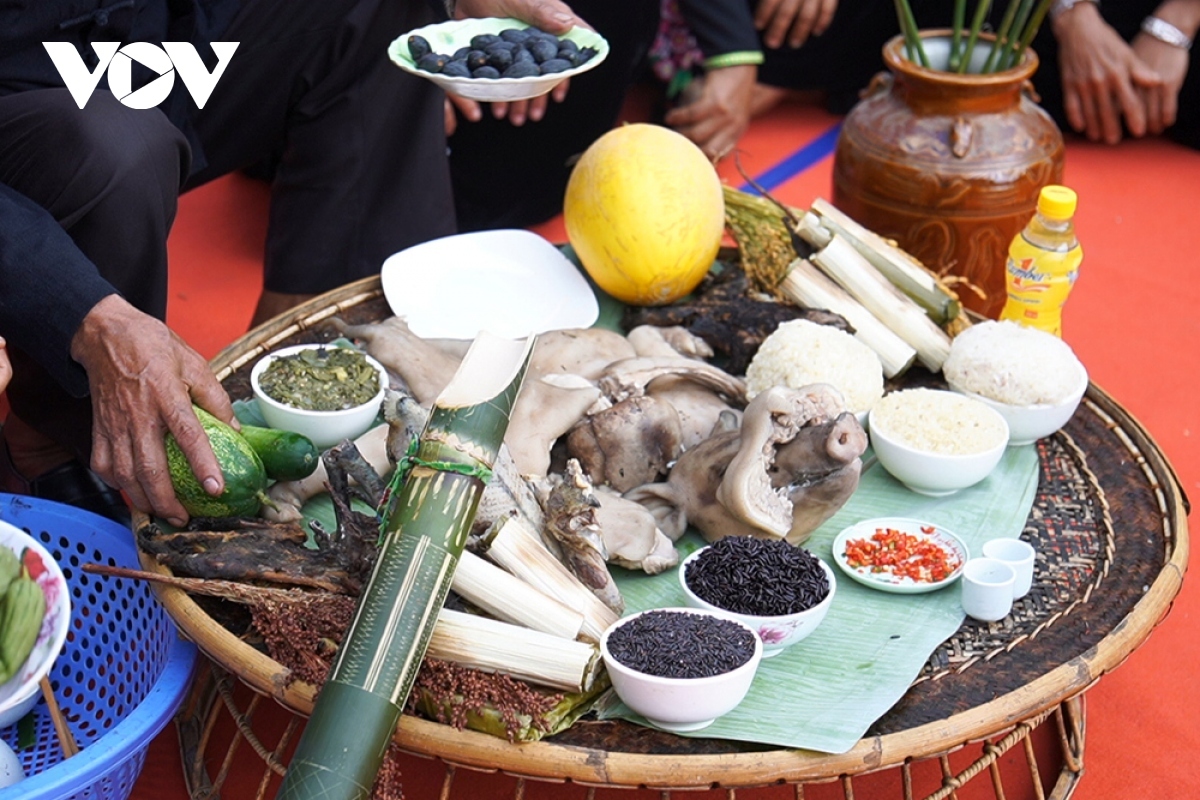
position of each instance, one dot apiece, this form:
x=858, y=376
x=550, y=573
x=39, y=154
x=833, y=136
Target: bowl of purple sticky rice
x=681, y=668
x=780, y=590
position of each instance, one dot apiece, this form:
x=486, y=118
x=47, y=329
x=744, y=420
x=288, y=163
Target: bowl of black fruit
x=780, y=590
x=681, y=668
x=496, y=59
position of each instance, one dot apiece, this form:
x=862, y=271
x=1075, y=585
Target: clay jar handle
x=961, y=132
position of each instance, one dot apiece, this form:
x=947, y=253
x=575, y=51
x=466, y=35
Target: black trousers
x=513, y=177
x=362, y=170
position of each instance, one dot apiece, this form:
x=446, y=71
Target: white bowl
x=324, y=428
x=932, y=473
x=20, y=693
x=1027, y=424
x=447, y=37
x=777, y=632
x=681, y=704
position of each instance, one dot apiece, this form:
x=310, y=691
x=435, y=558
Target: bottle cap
x=1057, y=202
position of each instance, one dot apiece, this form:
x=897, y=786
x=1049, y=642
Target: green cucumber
x=245, y=476
x=286, y=456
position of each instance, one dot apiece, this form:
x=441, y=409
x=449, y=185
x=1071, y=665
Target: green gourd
x=245, y=476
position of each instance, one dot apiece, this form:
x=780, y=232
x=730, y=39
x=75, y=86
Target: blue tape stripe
x=798, y=161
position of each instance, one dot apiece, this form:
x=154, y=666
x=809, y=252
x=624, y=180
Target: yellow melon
x=645, y=213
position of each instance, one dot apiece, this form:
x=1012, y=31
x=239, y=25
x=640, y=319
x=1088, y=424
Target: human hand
x=718, y=118
x=792, y=21
x=517, y=111
x=144, y=380
x=1104, y=80
x=5, y=366
x=1171, y=63
x=551, y=16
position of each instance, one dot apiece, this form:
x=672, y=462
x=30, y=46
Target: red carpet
x=1132, y=319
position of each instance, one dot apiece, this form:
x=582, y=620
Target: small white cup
x=987, y=589
x=1017, y=554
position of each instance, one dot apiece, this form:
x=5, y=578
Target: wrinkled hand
x=792, y=21
x=1104, y=80
x=1171, y=63
x=143, y=381
x=719, y=117
x=517, y=111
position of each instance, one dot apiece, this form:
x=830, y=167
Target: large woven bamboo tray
x=1109, y=524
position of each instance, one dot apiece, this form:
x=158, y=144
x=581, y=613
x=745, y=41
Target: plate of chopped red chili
x=900, y=555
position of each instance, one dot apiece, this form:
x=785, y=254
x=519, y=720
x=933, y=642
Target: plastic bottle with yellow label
x=1043, y=263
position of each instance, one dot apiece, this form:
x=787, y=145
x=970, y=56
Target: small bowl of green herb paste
x=324, y=392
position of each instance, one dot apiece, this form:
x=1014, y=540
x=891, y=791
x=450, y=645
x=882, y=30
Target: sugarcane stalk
x=355, y=716
x=841, y=262
x=519, y=549
x=494, y=646
x=812, y=287
x=908, y=274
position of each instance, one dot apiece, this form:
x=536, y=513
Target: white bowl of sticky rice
x=937, y=442
x=799, y=353
x=1031, y=377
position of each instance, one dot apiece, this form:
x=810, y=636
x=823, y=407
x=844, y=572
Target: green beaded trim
x=734, y=59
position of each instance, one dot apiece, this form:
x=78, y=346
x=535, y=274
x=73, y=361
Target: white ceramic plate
x=885, y=580
x=20, y=693
x=447, y=37
x=511, y=283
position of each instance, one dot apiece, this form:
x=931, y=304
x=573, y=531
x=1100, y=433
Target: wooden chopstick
x=65, y=739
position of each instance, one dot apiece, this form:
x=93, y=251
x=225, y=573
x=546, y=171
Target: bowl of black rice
x=681, y=668
x=780, y=590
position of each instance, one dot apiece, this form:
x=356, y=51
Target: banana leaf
x=824, y=692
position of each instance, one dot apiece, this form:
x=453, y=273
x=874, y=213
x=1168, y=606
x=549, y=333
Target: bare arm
x=1170, y=61
x=1104, y=80
x=144, y=380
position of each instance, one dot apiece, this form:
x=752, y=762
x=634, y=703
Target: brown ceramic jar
x=947, y=165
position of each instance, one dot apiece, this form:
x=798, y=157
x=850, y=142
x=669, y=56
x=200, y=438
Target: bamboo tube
x=508, y=598
x=494, y=646
x=355, y=716
x=519, y=549
x=846, y=266
x=811, y=287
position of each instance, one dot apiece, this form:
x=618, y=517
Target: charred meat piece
x=728, y=314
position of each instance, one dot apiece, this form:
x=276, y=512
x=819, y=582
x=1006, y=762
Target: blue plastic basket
x=122, y=674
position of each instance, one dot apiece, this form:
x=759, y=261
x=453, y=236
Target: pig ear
x=661, y=501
